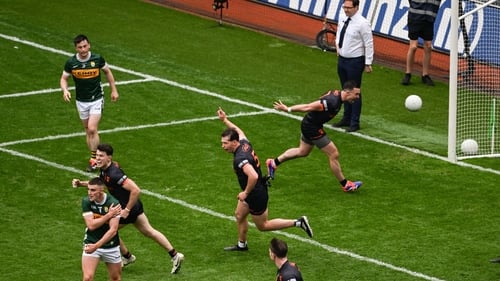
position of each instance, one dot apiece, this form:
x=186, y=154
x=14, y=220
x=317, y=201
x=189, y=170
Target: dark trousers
x=351, y=69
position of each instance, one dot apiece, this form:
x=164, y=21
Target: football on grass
x=413, y=103
x=469, y=147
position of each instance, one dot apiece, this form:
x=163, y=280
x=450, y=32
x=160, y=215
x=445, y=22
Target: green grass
x=417, y=213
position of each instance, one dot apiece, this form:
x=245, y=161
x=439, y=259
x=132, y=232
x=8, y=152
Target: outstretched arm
x=306, y=107
x=229, y=124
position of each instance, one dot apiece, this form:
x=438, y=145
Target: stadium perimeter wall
x=301, y=25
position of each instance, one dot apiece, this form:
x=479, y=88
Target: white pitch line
x=209, y=93
x=53, y=90
x=227, y=217
x=130, y=128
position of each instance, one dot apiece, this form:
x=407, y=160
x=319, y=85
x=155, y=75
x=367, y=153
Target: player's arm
x=223, y=117
x=64, y=86
x=112, y=231
x=253, y=177
x=135, y=191
x=111, y=80
x=79, y=183
x=305, y=107
x=93, y=223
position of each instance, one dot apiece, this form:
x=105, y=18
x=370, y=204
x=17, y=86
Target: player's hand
x=242, y=196
x=75, y=183
x=114, y=96
x=278, y=105
x=89, y=248
x=115, y=210
x=124, y=213
x=221, y=114
x=67, y=96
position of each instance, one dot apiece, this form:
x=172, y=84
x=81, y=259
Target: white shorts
x=110, y=255
x=85, y=109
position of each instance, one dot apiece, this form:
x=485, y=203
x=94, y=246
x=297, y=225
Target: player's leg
x=127, y=257
x=332, y=153
x=303, y=150
x=91, y=125
x=114, y=271
x=241, y=214
x=113, y=261
x=143, y=225
x=89, y=266
x=263, y=224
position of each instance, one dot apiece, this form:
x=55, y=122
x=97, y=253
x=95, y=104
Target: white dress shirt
x=358, y=38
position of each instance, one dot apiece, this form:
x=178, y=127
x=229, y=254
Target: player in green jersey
x=85, y=68
x=101, y=213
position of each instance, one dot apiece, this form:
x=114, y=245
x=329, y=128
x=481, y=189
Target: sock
x=172, y=253
x=127, y=255
x=298, y=223
x=242, y=244
x=343, y=182
x=277, y=162
x=92, y=154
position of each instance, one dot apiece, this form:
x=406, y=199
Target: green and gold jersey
x=99, y=210
x=87, y=76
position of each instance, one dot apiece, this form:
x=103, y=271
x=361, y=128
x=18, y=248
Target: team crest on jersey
x=245, y=147
x=92, y=64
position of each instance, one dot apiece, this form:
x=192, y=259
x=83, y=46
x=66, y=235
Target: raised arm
x=223, y=117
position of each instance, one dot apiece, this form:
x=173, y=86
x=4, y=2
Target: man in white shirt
x=355, y=52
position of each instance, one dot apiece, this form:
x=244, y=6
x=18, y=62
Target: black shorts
x=257, y=201
x=136, y=211
x=422, y=29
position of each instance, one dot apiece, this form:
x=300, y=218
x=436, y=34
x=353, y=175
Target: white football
x=413, y=103
x=469, y=147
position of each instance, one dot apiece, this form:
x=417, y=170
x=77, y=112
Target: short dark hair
x=232, y=133
x=349, y=85
x=279, y=247
x=355, y=3
x=79, y=38
x=106, y=148
x=96, y=181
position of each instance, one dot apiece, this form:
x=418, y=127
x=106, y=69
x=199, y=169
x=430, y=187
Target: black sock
x=343, y=182
x=277, y=162
x=172, y=253
x=127, y=255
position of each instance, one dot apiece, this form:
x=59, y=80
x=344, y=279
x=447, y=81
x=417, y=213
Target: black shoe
x=304, y=224
x=497, y=260
x=406, y=80
x=342, y=123
x=236, y=248
x=426, y=79
x=352, y=129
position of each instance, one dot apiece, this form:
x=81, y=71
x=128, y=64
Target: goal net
x=474, y=109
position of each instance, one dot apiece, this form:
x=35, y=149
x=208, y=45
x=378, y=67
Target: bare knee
x=239, y=216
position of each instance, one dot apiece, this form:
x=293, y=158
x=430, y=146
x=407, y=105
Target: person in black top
x=287, y=271
x=421, y=17
x=127, y=192
x=319, y=112
x=253, y=197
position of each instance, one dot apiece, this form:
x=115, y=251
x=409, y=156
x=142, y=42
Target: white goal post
x=474, y=83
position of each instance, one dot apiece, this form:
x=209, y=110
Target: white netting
x=478, y=79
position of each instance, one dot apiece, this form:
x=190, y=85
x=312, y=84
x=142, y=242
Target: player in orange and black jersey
x=127, y=192
x=287, y=271
x=318, y=113
x=253, y=197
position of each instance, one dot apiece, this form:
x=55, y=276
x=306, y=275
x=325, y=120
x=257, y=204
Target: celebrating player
x=253, y=197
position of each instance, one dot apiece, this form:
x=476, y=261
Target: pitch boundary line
x=209, y=93
x=204, y=210
x=148, y=77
